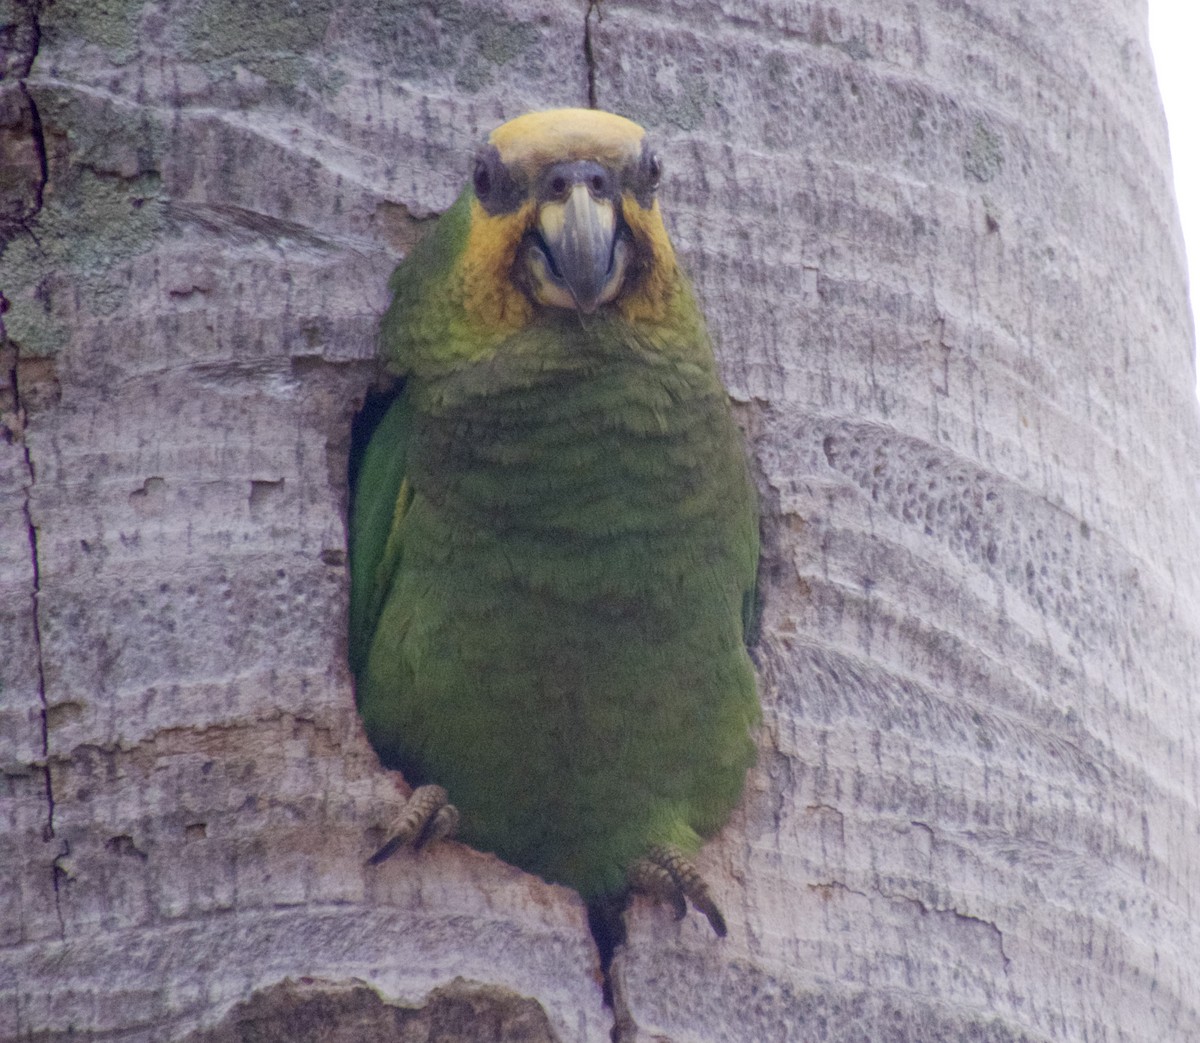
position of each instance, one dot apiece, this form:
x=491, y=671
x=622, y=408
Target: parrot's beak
x=584, y=259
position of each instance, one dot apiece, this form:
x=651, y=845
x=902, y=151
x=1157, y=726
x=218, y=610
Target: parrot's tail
x=606, y=918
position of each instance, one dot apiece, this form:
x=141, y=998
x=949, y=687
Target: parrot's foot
x=668, y=875
x=428, y=815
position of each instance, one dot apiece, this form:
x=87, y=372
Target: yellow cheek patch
x=496, y=306
x=491, y=299
x=650, y=301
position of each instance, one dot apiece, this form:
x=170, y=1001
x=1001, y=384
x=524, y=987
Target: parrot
x=554, y=536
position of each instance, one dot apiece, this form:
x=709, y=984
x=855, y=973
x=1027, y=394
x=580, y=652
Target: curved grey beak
x=579, y=234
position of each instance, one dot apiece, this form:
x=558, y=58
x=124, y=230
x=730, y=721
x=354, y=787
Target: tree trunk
x=938, y=247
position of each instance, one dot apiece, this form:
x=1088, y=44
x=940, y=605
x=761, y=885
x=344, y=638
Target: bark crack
x=21, y=41
x=828, y=887
x=589, y=54
x=23, y=37
x=15, y=430
x=35, y=594
x=39, y=144
x=26, y=37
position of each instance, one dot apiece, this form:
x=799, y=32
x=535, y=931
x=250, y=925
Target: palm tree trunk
x=938, y=246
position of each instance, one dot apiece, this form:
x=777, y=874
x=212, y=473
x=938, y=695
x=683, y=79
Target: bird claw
x=427, y=816
x=668, y=875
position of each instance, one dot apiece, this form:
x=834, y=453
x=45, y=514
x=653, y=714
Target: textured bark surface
x=938, y=247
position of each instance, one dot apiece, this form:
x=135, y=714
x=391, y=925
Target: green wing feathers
x=420, y=313
x=381, y=496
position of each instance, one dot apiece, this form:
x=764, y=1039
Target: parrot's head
x=564, y=217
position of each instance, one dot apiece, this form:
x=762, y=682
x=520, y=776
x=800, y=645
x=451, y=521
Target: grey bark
x=938, y=247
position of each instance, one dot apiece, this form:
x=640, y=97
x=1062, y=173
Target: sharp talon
x=385, y=852
x=712, y=914
x=442, y=825
x=427, y=815
x=670, y=875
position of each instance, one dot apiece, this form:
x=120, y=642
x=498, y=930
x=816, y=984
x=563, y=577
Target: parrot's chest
x=565, y=628
x=606, y=468
x=560, y=531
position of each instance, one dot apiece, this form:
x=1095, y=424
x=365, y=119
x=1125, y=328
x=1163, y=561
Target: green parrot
x=554, y=538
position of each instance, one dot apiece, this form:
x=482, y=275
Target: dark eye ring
x=482, y=179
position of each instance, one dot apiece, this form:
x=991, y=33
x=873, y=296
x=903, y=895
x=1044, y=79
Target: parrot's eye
x=643, y=177
x=654, y=169
x=482, y=179
x=493, y=182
